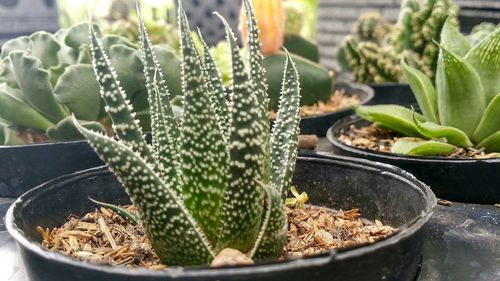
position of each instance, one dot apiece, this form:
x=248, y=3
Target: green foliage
x=373, y=51
x=44, y=78
x=216, y=178
x=460, y=110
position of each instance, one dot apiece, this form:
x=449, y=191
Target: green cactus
x=217, y=178
x=294, y=17
x=370, y=62
x=371, y=26
x=44, y=78
x=419, y=27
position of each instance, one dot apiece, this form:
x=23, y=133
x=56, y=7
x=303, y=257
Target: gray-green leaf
x=490, y=122
x=392, y=117
x=418, y=147
x=432, y=130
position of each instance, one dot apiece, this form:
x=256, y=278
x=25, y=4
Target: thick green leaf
x=17, y=112
x=242, y=214
x=392, y=117
x=491, y=143
x=461, y=100
x=44, y=46
x=418, y=147
x=173, y=232
x=453, y=39
x=284, y=138
x=485, y=58
x=274, y=230
x=6, y=73
x=124, y=214
x=34, y=81
x=21, y=43
x=204, y=156
x=110, y=40
x=78, y=35
x=423, y=90
x=165, y=131
x=126, y=127
x=432, y=130
x=490, y=122
x=215, y=88
x=66, y=130
x=55, y=72
x=79, y=91
x=127, y=63
x=259, y=83
x=8, y=136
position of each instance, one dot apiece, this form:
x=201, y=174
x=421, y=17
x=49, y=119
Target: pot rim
x=370, y=93
x=354, y=119
x=405, y=231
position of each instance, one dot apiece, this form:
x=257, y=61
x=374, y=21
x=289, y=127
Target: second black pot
x=23, y=167
x=392, y=93
x=381, y=191
x=461, y=180
x=319, y=124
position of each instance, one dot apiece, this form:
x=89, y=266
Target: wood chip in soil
x=102, y=237
x=382, y=140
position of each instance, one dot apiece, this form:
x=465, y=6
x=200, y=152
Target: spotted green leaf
x=173, y=232
x=127, y=128
x=273, y=234
x=418, y=147
x=392, y=117
x=165, y=131
x=216, y=89
x=243, y=207
x=203, y=151
x=286, y=131
x=432, y=130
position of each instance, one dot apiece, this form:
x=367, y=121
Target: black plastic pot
x=26, y=166
x=392, y=93
x=461, y=180
x=319, y=124
x=381, y=191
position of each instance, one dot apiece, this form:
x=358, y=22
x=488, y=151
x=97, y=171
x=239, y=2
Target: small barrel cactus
x=370, y=62
x=218, y=177
x=371, y=26
x=294, y=17
x=44, y=78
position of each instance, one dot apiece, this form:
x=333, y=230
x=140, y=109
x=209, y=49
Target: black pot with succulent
x=454, y=143
x=208, y=199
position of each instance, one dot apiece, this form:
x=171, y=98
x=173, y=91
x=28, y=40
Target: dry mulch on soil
x=338, y=100
x=103, y=237
x=379, y=139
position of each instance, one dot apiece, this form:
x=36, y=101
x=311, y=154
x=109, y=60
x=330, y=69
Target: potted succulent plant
x=217, y=183
x=372, y=52
x=456, y=138
x=44, y=78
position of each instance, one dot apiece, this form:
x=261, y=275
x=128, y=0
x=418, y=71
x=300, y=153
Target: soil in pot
x=338, y=100
x=382, y=140
x=103, y=237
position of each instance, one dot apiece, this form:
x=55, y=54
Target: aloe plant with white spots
x=461, y=110
x=218, y=177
